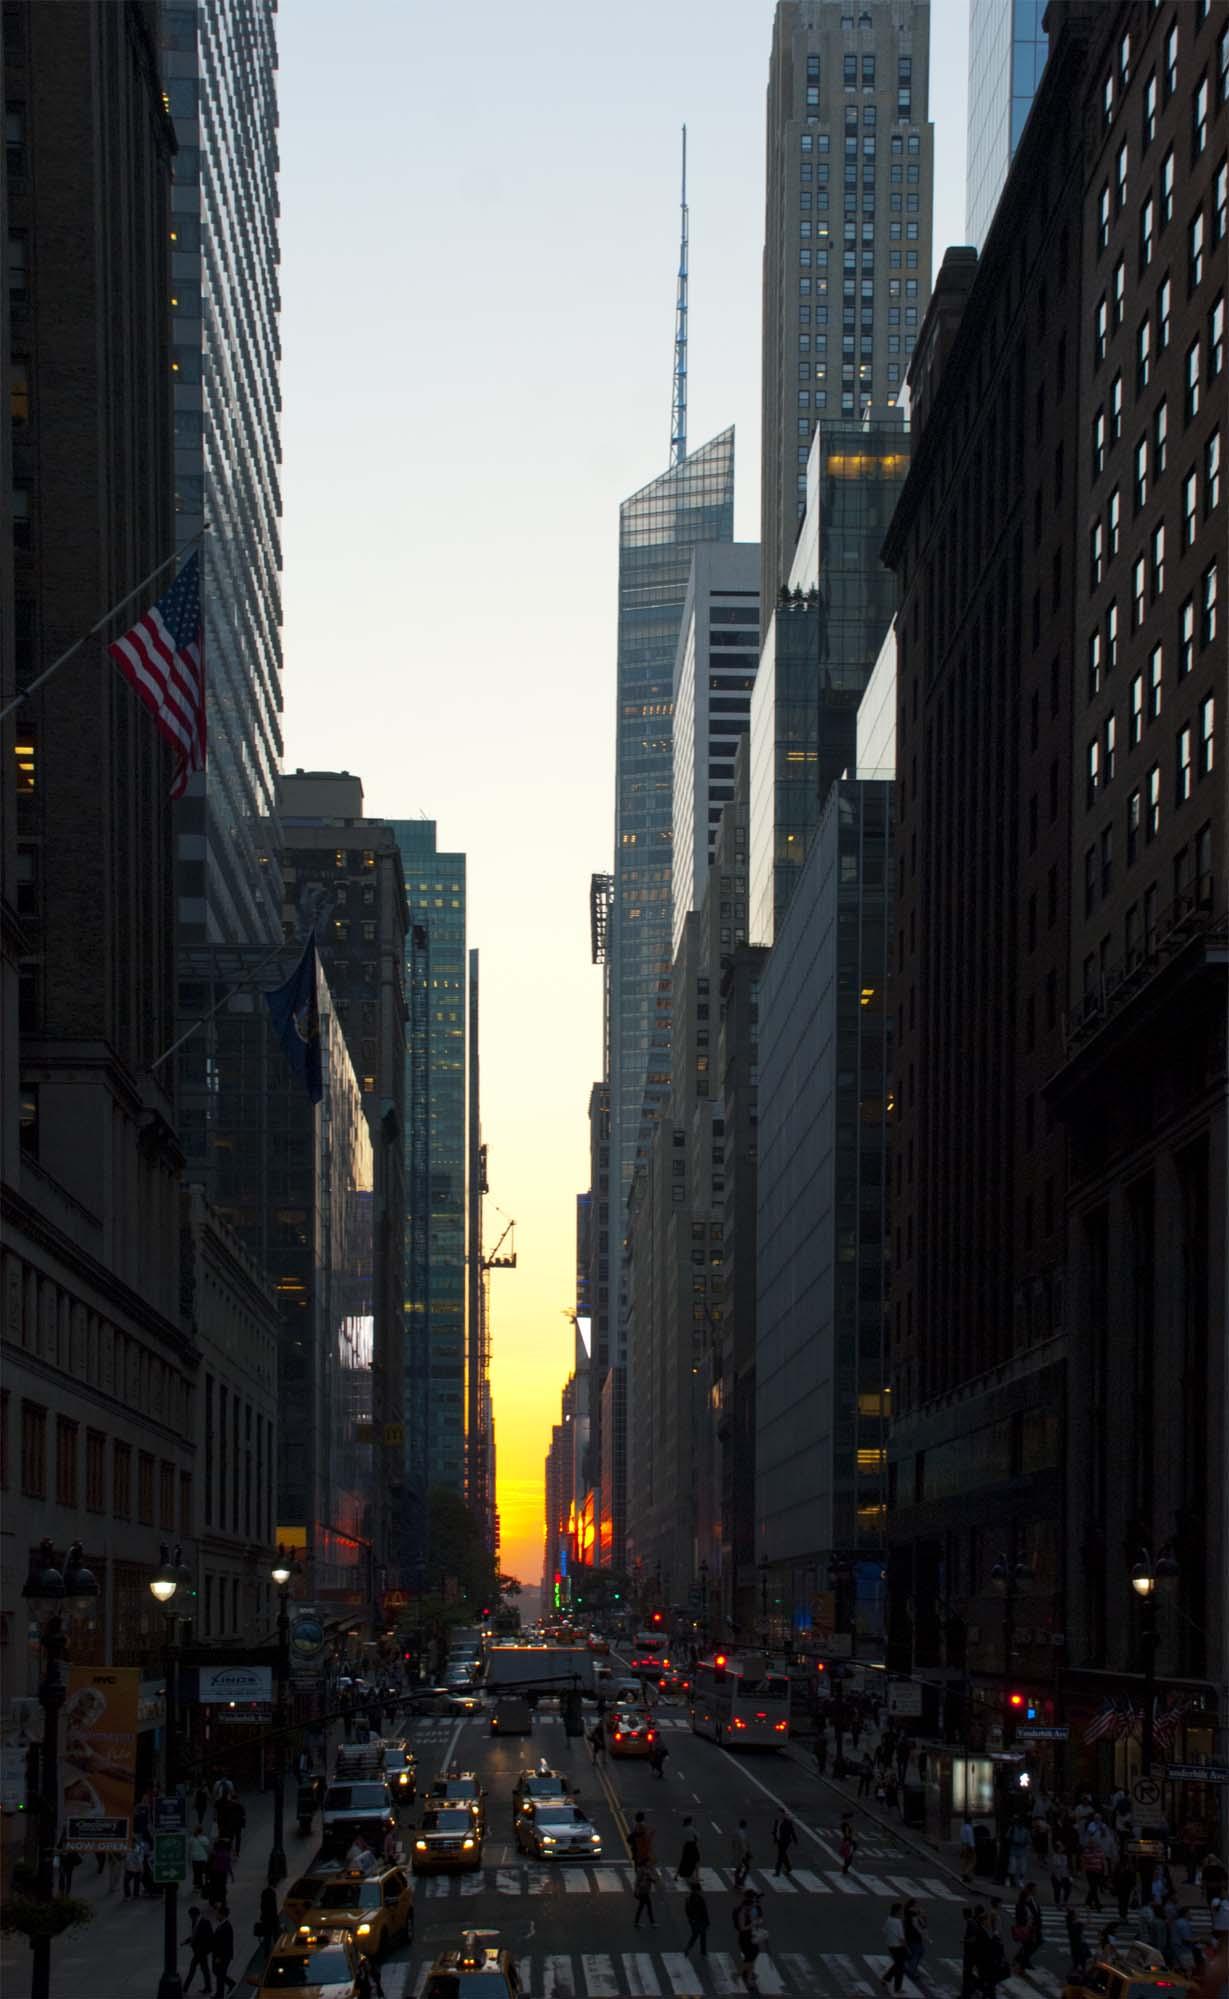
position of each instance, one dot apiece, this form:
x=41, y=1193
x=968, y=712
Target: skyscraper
x=847, y=233
x=714, y=672
x=219, y=60
x=658, y=529
x=436, y=970
x=1007, y=53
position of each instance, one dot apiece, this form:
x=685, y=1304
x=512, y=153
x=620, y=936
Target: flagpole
x=106, y=617
x=205, y=1018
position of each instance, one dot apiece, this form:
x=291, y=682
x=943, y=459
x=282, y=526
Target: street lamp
x=1010, y=1576
x=172, y=1576
x=1146, y=1576
x=281, y=1572
x=49, y=1593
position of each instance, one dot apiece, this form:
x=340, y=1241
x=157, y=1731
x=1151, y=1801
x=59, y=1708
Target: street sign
x=1146, y=1791
x=904, y=1697
x=1198, y=1773
x=13, y=1761
x=170, y=1815
x=170, y=1857
x=98, y=1834
x=1035, y=1732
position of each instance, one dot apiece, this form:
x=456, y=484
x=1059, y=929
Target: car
x=324, y=1961
x=630, y=1732
x=479, y=1969
x=597, y=1644
x=626, y=1693
x=460, y=1787
x=559, y=1832
x=377, y=1909
x=673, y=1683
x=305, y=1891
x=399, y=1772
x=449, y=1836
x=361, y=1806
x=1127, y=1970
x=511, y=1716
x=542, y=1786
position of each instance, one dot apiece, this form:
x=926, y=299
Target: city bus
x=741, y=1701
x=648, y=1653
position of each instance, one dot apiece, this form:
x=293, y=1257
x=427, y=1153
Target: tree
x=509, y=1586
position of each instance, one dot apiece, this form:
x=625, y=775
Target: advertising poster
x=100, y=1742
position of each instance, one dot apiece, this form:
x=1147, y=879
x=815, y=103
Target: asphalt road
x=570, y=1925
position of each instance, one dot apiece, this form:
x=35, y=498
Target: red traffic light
x=720, y=1659
x=1016, y=1700
x=656, y=1619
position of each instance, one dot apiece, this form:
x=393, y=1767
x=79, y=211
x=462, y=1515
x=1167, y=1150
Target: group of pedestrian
x=748, y=1914
x=211, y=1939
x=905, y=1936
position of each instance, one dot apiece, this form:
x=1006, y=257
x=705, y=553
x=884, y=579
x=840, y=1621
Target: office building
x=847, y=234
x=714, y=672
x=593, y=1303
x=219, y=68
x=824, y=1107
x=99, y=1372
x=1138, y=1086
x=481, y=1261
x=341, y=873
x=822, y=636
x=1007, y=52
x=435, y=984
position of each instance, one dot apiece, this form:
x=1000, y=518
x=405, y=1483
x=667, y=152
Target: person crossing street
x=784, y=1833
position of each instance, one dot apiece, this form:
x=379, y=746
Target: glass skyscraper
x=220, y=68
x=658, y=528
x=435, y=1133
x=1007, y=53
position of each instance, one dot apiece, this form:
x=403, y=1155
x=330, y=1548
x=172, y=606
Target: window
x=1134, y=818
x=166, y=1497
x=1119, y=293
x=145, y=1489
x=1092, y=772
x=1207, y=605
x=1216, y=338
x=1147, y=224
x=1152, y=807
x=1143, y=356
x=1191, y=403
x=1148, y=133
x=95, y=1471
x=1200, y=102
x=850, y=72
x=1101, y=339
x=1111, y=635
x=1222, y=67
x=1108, y=755
x=1094, y=665
x=1167, y=188
x=1096, y=555
x=1164, y=299
x=33, y=1450
x=1090, y=880
x=1158, y=561
x=1184, y=768
x=868, y=72
x=1194, y=252
x=1113, y=515
x=1207, y=734
x=1160, y=439
x=1211, y=474
x=1107, y=100
x=1098, y=444
x=1141, y=475
x=1156, y=680
x=1103, y=218
x=1171, y=62
x=1135, y=728
x=65, y=1461
x=1120, y=179
x=1115, y=409
x=1220, y=203
x=1189, y=509
x=1186, y=638
x=121, y=1481
x=1137, y=593
x=1107, y=859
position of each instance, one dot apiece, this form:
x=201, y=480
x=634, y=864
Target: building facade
x=847, y=234
x=96, y=1411
x=435, y=1169
x=714, y=673
x=219, y=62
x=1007, y=51
x=824, y=1119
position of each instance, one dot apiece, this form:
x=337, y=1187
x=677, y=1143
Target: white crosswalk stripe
x=639, y=1973
x=671, y=1974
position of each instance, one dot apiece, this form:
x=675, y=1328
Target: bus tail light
x=739, y=1722
x=780, y=1727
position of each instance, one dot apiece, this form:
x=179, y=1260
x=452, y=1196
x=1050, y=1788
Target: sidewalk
x=119, y=1954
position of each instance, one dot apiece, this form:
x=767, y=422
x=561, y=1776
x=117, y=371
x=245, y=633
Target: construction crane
x=495, y=1261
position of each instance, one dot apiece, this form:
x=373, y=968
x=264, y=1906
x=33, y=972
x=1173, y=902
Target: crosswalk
x=529, y=1878
x=669, y=1974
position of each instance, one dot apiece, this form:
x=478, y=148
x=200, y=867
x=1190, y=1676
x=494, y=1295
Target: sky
x=479, y=248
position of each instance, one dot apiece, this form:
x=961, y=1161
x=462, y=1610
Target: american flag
x=163, y=657
x=1166, y=1725
x=1114, y=1718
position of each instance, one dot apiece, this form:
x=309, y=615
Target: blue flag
x=295, y=1014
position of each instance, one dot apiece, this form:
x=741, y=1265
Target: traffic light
x=656, y=1618
x=485, y=1612
x=618, y=1593
x=1016, y=1703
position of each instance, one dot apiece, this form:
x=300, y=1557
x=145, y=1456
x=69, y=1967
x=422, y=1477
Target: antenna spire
x=678, y=415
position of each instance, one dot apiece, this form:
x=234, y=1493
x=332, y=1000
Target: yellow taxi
x=304, y=1892
x=460, y=1787
x=376, y=1909
x=449, y=1837
x=630, y=1733
x=479, y=1969
x=324, y=1961
x=1128, y=1970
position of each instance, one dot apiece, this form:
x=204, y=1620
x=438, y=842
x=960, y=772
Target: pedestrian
x=134, y=1869
x=1075, y=1941
x=223, y=1791
x=198, y=1854
x=784, y=1833
x=1060, y=1877
x=657, y=1758
x=821, y=1754
x=368, y=1978
x=1019, y=1840
x=597, y=1742
x=220, y=1872
x=1093, y=1860
x=200, y=1801
x=848, y=1846
x=749, y=1929
x=866, y=1772
x=914, y=1919
x=695, y=1908
x=894, y=1937
x=1124, y=1886
x=1181, y=1952
x=688, y=1869
x=1161, y=1887
x=68, y=1864
x=200, y=1941
x=643, y=1884
x=1026, y=1928
x=968, y=1849
x=740, y=1853
x=640, y=1840
x=392, y=1847
x=268, y=1925
x=969, y=1943
x=115, y=1870
x=223, y=1952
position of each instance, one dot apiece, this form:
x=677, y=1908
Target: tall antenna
x=678, y=417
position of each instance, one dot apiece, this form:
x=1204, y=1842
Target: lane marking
x=773, y=1799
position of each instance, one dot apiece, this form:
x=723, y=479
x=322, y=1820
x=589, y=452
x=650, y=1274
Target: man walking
x=866, y=1775
x=894, y=1937
x=784, y=1833
x=740, y=1853
x=968, y=1849
x=640, y=1839
x=223, y=1952
x=695, y=1908
x=643, y=1885
x=200, y=1941
x=688, y=1869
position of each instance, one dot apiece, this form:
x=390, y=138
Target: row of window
x=1144, y=921
x=820, y=143
x=61, y=1462
x=1194, y=759
x=1164, y=84
x=1203, y=365
x=1146, y=693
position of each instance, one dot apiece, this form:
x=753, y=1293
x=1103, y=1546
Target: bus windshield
x=775, y=1687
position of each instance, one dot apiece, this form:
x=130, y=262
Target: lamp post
x=172, y=1576
x=281, y=1573
x=49, y=1592
x=1146, y=1575
x=1010, y=1576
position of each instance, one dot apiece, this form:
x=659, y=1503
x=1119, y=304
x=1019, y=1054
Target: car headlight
x=548, y=1839
x=467, y=1843
x=403, y=1779
x=421, y=1845
x=364, y=1929
x=596, y=1838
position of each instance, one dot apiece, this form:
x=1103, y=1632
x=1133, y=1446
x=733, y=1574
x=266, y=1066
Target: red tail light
x=651, y=1735
x=780, y=1726
x=618, y=1735
x=761, y=1717
x=739, y=1722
